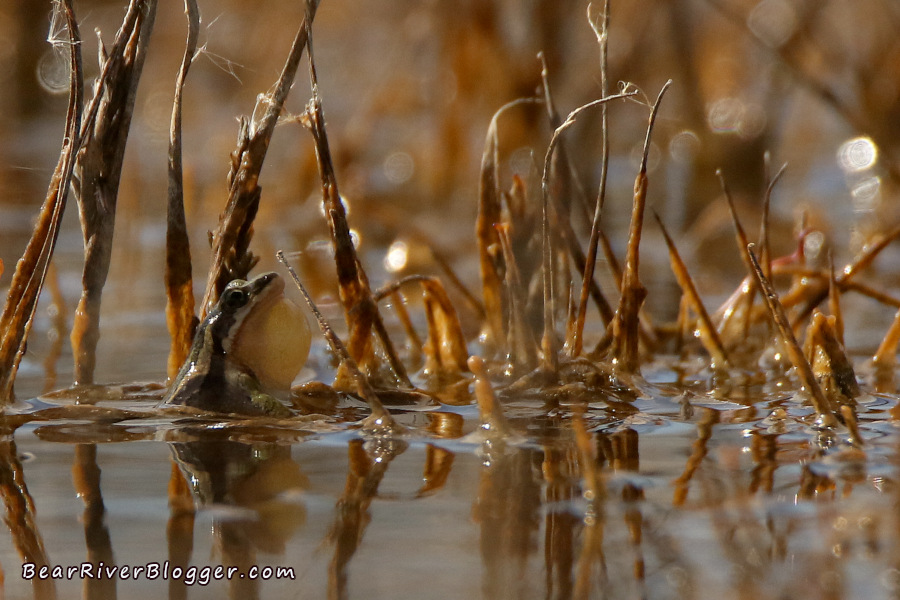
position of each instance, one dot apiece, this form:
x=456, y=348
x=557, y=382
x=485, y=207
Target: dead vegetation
x=538, y=279
x=534, y=306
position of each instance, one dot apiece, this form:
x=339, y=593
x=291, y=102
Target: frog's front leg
x=261, y=401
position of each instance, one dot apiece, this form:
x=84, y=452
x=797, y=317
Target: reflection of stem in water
x=508, y=509
x=560, y=524
x=595, y=517
x=86, y=478
x=363, y=478
x=625, y=455
x=180, y=529
x=20, y=517
x=704, y=433
x=764, y=448
x=438, y=463
x=742, y=536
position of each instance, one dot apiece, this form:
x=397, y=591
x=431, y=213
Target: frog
x=245, y=353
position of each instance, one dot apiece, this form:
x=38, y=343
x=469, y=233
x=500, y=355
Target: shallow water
x=706, y=491
x=703, y=497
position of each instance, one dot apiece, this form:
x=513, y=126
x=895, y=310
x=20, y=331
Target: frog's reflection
x=247, y=486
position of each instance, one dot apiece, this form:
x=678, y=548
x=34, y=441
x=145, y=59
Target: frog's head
x=258, y=328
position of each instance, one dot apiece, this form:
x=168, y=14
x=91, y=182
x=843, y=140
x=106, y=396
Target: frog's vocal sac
x=250, y=347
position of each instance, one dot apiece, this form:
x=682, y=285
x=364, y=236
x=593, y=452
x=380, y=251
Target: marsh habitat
x=608, y=297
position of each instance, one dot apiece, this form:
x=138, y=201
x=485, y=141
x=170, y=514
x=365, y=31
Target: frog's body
x=228, y=369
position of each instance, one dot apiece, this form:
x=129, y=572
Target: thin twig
x=602, y=33
x=364, y=387
x=795, y=353
x=180, y=316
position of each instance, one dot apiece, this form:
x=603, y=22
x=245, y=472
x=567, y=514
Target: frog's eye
x=234, y=298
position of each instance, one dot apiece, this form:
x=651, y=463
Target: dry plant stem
x=452, y=277
x=180, y=316
x=60, y=326
x=563, y=174
x=742, y=241
x=602, y=33
x=230, y=255
x=98, y=170
x=549, y=353
x=360, y=309
x=548, y=342
x=834, y=302
x=886, y=355
x=765, y=248
x=31, y=269
x=337, y=346
x=829, y=362
x=794, y=352
x=399, y=304
x=804, y=294
x=523, y=350
x=489, y=208
x=626, y=325
x=865, y=290
x=708, y=334
x=849, y=415
x=446, y=346
x=847, y=273
x=493, y=421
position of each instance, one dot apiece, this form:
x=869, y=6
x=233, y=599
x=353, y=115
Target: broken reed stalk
x=548, y=343
x=31, y=269
x=445, y=349
x=708, y=334
x=602, y=33
x=231, y=257
x=360, y=309
x=869, y=254
x=441, y=261
x=742, y=241
x=180, y=317
x=765, y=256
x=98, y=170
x=886, y=355
x=794, y=352
x=493, y=421
x=523, y=349
x=381, y=417
x=834, y=302
x=489, y=209
x=398, y=301
x=626, y=325
x=566, y=184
